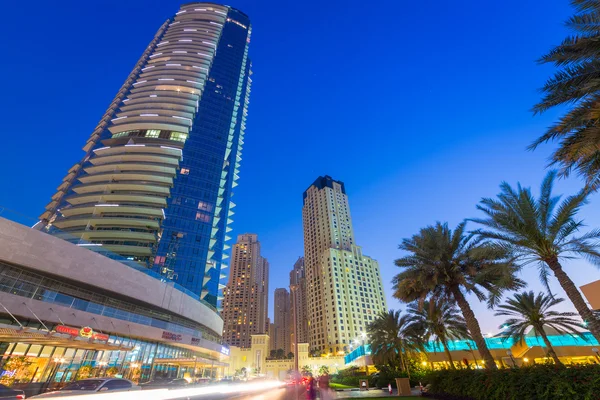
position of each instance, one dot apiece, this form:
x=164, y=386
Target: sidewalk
x=353, y=394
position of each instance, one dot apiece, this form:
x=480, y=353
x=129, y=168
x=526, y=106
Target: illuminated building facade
x=245, y=307
x=344, y=292
x=156, y=180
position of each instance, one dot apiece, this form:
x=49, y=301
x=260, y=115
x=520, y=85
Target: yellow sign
x=86, y=331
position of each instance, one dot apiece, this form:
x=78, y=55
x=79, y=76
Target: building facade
x=591, y=291
x=255, y=360
x=64, y=307
x=156, y=180
x=344, y=292
x=299, y=319
x=281, y=336
x=245, y=306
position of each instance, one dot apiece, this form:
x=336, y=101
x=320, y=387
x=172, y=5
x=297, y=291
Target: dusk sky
x=421, y=108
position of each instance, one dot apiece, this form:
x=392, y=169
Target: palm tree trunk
x=447, y=351
x=474, y=328
x=549, y=346
x=575, y=296
x=401, y=359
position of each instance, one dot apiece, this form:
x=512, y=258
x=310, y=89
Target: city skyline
x=494, y=138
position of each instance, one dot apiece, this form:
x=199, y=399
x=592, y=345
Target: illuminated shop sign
x=85, y=332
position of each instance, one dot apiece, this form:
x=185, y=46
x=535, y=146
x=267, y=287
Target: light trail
x=165, y=394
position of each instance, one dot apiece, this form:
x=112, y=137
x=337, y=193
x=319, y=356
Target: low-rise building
x=63, y=307
x=256, y=361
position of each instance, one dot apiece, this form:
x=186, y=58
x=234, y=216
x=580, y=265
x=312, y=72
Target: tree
x=448, y=265
x=324, y=370
x=290, y=355
x=529, y=310
x=280, y=354
x=83, y=372
x=392, y=338
x=576, y=83
x=440, y=322
x=18, y=368
x=273, y=354
x=542, y=231
x=112, y=371
x=306, y=370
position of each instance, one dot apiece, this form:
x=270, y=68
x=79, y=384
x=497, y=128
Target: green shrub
x=538, y=382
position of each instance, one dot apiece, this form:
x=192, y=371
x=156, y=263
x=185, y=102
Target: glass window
x=179, y=136
x=20, y=349
x=34, y=350
x=152, y=133
x=47, y=351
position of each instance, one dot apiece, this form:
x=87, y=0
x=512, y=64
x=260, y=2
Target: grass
x=334, y=386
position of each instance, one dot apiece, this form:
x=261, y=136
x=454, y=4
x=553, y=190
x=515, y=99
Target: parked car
x=165, y=383
x=90, y=386
x=7, y=393
x=178, y=383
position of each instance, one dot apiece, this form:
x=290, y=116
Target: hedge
x=538, y=382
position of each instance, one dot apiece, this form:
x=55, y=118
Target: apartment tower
x=343, y=286
x=282, y=321
x=299, y=320
x=155, y=183
x=245, y=306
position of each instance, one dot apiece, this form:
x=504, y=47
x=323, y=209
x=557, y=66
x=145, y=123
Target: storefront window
x=34, y=350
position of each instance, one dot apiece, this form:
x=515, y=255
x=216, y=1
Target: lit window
x=200, y=216
x=179, y=136
x=121, y=134
x=185, y=171
x=152, y=133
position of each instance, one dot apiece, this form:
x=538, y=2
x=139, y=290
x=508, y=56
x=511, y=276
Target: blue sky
x=421, y=108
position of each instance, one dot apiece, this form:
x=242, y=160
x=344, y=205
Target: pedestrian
x=311, y=391
x=390, y=387
x=324, y=391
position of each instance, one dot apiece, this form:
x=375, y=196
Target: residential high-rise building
x=155, y=183
x=343, y=286
x=299, y=319
x=245, y=306
x=282, y=318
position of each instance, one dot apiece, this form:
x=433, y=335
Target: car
x=7, y=393
x=90, y=386
x=165, y=383
x=181, y=382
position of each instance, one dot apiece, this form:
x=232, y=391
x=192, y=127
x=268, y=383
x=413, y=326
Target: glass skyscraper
x=155, y=183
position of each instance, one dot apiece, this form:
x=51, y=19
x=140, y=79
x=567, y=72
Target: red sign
x=100, y=336
x=68, y=330
x=86, y=332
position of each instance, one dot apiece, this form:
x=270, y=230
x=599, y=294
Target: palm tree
x=542, y=231
x=576, y=83
x=447, y=265
x=440, y=322
x=392, y=338
x=530, y=310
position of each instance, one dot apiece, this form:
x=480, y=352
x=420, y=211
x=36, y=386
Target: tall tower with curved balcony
x=155, y=183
